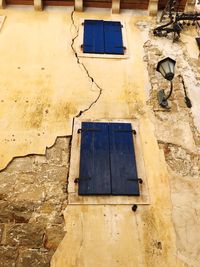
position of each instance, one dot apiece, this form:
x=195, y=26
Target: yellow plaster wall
x=113, y=235
x=42, y=89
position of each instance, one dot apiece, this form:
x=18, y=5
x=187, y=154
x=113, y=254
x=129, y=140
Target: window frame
x=73, y=196
x=95, y=55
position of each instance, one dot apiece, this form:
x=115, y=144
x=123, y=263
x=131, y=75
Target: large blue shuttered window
x=107, y=161
x=103, y=37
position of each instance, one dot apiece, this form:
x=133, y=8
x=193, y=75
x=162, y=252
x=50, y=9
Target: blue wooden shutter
x=113, y=37
x=93, y=39
x=94, y=162
x=122, y=159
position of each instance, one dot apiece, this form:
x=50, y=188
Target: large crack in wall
x=33, y=194
x=180, y=160
x=42, y=113
x=85, y=69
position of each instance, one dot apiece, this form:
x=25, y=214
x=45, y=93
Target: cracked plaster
x=51, y=90
x=48, y=88
x=92, y=230
x=44, y=100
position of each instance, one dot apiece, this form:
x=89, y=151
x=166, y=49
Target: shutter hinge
x=77, y=180
x=139, y=180
x=127, y=131
x=124, y=47
x=88, y=130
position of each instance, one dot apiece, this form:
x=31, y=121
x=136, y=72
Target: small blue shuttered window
x=103, y=37
x=107, y=161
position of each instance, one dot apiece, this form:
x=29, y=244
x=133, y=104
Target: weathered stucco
x=44, y=87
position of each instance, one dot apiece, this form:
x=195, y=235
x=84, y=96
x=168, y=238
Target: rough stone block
x=47, y=218
x=1, y=232
x=57, y=174
x=38, y=161
x=54, y=236
x=15, y=212
x=26, y=235
x=65, y=157
x=7, y=182
x=33, y=258
x=59, y=152
x=169, y=131
x=8, y=256
x=19, y=165
x=33, y=192
x=63, y=142
x=54, y=155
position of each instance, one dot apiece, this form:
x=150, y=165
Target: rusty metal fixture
x=177, y=21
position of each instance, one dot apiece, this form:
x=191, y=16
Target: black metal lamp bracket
x=162, y=98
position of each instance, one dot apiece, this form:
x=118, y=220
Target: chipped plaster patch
x=173, y=129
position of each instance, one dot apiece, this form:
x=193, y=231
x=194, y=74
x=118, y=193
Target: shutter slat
x=94, y=178
x=113, y=37
x=122, y=157
x=93, y=39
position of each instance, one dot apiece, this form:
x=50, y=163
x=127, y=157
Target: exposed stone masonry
x=32, y=197
x=178, y=137
x=182, y=161
x=175, y=128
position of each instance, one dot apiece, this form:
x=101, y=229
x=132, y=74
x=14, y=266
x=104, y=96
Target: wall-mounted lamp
x=166, y=68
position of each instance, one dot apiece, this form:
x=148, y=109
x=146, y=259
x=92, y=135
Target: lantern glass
x=166, y=68
x=171, y=66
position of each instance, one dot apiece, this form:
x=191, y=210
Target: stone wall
x=32, y=197
x=177, y=132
